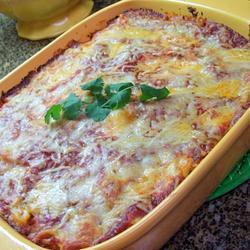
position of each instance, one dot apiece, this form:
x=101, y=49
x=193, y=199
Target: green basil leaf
x=100, y=99
x=114, y=88
x=119, y=99
x=149, y=93
x=94, y=86
x=96, y=112
x=72, y=107
x=54, y=112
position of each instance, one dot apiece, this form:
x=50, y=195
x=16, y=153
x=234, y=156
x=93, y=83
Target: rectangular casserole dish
x=153, y=230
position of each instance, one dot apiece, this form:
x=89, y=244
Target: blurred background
x=15, y=50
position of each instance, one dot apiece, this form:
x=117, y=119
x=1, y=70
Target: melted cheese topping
x=78, y=183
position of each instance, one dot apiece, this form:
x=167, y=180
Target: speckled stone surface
x=222, y=224
x=13, y=49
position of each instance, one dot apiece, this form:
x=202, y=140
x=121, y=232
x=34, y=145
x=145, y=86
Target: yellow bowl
x=38, y=19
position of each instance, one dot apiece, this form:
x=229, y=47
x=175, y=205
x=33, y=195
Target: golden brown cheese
x=79, y=183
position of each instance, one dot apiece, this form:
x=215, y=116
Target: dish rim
x=150, y=220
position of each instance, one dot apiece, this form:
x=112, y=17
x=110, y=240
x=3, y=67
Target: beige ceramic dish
x=161, y=223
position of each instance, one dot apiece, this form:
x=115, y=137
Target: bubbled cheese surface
x=70, y=184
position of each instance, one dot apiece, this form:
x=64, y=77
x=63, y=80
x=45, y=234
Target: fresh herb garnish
x=119, y=95
x=54, y=112
x=101, y=100
x=97, y=112
x=112, y=89
x=94, y=86
x=149, y=93
x=70, y=109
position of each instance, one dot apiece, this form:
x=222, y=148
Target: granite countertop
x=219, y=224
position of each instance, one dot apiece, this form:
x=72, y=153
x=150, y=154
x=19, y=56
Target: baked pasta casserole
x=77, y=183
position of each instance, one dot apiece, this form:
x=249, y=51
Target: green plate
x=236, y=177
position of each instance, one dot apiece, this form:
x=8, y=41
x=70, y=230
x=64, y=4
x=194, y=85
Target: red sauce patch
x=127, y=220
